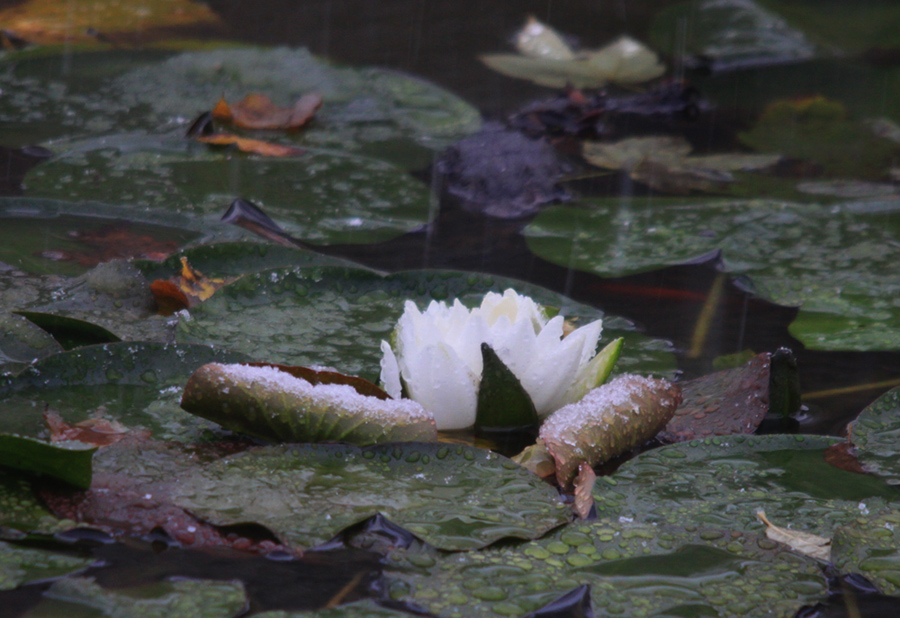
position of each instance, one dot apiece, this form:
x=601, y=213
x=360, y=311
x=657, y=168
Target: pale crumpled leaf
x=808, y=544
x=271, y=404
x=537, y=459
x=624, y=61
x=663, y=163
x=538, y=40
x=584, y=487
x=610, y=420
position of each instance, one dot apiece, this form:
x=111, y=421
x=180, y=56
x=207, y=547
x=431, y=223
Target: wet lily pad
x=452, y=496
x=323, y=196
x=233, y=259
x=21, y=341
x=874, y=433
x=723, y=481
x=338, y=317
x=871, y=546
x=20, y=564
x=632, y=569
x=82, y=596
x=21, y=510
x=93, y=93
x=835, y=261
x=138, y=384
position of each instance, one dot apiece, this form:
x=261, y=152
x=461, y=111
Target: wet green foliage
x=413, y=484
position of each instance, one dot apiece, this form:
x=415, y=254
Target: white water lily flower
x=437, y=354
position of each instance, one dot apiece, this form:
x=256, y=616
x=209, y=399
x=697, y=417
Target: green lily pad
x=724, y=481
x=732, y=33
x=84, y=94
x=323, y=196
x=21, y=510
x=454, y=497
x=21, y=341
x=632, y=569
x=874, y=433
x=233, y=259
x=82, y=596
x=137, y=384
x=338, y=316
x=20, y=564
x=835, y=260
x=871, y=546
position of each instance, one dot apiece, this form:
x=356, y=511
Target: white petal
x=442, y=383
x=390, y=371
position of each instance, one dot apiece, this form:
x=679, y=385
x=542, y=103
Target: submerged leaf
x=609, y=420
x=811, y=545
x=271, y=404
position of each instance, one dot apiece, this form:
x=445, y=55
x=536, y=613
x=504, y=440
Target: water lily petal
x=444, y=385
x=390, y=371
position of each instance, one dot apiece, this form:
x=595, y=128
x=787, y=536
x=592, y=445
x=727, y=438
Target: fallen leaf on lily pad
x=607, y=422
x=663, y=163
x=97, y=431
x=272, y=404
x=68, y=461
x=187, y=289
x=808, y=544
x=256, y=111
x=584, y=486
x=255, y=146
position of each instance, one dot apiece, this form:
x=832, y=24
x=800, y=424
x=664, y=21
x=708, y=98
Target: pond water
x=741, y=197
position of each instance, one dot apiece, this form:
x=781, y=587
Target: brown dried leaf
x=187, y=289
x=722, y=403
x=843, y=456
x=805, y=543
x=584, y=487
x=169, y=299
x=267, y=149
x=256, y=111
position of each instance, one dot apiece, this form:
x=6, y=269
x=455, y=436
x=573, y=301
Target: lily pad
x=21, y=510
x=138, y=384
x=338, y=317
x=233, y=259
x=732, y=34
x=724, y=481
x=324, y=196
x=92, y=93
x=82, y=596
x=21, y=341
x=632, y=570
x=871, y=546
x=454, y=497
x=20, y=564
x=874, y=433
x=836, y=261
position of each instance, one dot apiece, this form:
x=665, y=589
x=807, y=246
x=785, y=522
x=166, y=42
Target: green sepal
x=68, y=461
x=502, y=401
x=70, y=333
x=597, y=371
